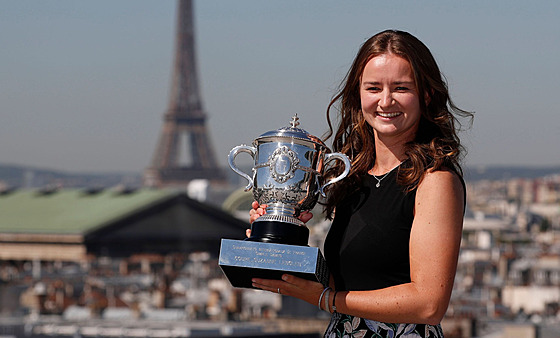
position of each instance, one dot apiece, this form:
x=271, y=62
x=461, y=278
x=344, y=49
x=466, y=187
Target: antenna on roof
x=6, y=189
x=90, y=191
x=122, y=189
x=48, y=190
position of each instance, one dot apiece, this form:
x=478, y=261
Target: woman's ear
x=427, y=98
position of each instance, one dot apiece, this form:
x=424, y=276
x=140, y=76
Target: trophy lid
x=293, y=132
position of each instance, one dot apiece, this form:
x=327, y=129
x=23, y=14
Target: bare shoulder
x=441, y=188
x=441, y=180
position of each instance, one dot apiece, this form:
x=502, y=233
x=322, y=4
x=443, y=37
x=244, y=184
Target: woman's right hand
x=257, y=211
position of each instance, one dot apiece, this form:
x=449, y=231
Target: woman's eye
x=401, y=89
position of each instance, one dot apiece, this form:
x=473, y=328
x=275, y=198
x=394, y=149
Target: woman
x=393, y=245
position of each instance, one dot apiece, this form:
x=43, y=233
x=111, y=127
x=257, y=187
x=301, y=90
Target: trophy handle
x=329, y=157
x=231, y=159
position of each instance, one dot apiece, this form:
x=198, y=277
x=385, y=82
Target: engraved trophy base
x=242, y=260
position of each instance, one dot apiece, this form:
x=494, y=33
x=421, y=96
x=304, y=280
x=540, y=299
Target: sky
x=84, y=84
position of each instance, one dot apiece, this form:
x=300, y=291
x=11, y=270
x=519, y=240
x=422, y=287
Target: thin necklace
x=378, y=184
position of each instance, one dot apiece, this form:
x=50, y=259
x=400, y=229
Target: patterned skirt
x=346, y=326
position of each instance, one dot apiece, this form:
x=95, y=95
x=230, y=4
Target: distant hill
x=30, y=177
x=477, y=173
x=17, y=176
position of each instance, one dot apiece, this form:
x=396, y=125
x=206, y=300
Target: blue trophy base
x=243, y=260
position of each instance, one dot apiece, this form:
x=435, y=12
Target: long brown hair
x=436, y=144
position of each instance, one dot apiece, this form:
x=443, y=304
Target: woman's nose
x=386, y=99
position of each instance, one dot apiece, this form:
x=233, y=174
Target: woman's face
x=390, y=100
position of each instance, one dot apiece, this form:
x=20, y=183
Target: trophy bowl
x=287, y=176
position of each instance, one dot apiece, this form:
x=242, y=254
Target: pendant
x=378, y=184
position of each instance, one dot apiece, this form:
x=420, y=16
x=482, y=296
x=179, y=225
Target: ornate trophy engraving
x=288, y=177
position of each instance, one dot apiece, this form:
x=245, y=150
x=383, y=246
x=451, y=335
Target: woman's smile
x=388, y=115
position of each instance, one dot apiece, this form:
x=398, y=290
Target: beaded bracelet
x=321, y=297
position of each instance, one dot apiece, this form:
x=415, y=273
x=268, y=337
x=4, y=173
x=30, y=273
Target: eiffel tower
x=184, y=122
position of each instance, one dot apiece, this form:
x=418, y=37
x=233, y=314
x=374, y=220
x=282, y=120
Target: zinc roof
x=70, y=211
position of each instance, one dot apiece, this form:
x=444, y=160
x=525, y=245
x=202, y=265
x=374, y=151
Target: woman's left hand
x=290, y=285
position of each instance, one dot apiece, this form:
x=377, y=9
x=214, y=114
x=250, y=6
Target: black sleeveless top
x=367, y=245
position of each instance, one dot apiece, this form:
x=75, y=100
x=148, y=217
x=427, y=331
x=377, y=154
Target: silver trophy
x=287, y=176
